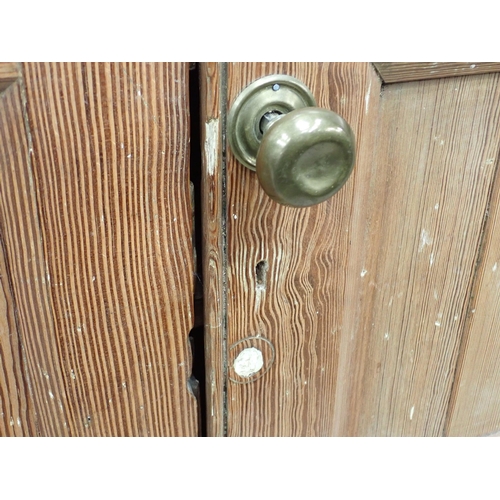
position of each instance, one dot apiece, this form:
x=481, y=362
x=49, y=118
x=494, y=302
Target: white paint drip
x=248, y=362
x=367, y=98
x=495, y=267
x=425, y=239
x=411, y=412
x=363, y=272
x=211, y=144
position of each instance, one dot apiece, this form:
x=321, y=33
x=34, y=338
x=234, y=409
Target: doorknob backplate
x=278, y=94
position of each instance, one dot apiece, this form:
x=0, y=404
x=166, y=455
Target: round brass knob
x=302, y=154
x=305, y=156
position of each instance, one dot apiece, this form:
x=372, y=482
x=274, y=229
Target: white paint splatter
x=367, y=98
x=129, y=155
x=411, y=412
x=431, y=260
x=386, y=336
x=11, y=422
x=51, y=395
x=472, y=66
x=436, y=206
x=425, y=239
x=19, y=421
x=124, y=385
x=437, y=323
x=211, y=144
x=495, y=267
x=248, y=362
x=235, y=216
x=363, y=272
x=72, y=375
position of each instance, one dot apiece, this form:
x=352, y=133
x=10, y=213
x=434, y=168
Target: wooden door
x=376, y=312
x=96, y=257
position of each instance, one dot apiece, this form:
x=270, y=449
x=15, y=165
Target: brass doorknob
x=302, y=154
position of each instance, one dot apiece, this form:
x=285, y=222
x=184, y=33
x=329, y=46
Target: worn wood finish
x=417, y=227
x=393, y=72
x=212, y=78
x=300, y=308
x=35, y=400
x=9, y=73
x=475, y=405
x=107, y=187
x=13, y=394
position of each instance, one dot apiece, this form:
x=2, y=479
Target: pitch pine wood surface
x=96, y=230
x=214, y=251
x=405, y=72
x=366, y=296
x=300, y=308
x=419, y=233
x=475, y=406
x=30, y=400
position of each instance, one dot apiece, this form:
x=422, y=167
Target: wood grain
x=393, y=72
x=9, y=73
x=475, y=404
x=212, y=78
x=29, y=353
x=366, y=295
x=109, y=191
x=301, y=307
x=417, y=230
x=14, y=398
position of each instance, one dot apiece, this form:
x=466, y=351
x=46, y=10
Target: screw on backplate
x=276, y=87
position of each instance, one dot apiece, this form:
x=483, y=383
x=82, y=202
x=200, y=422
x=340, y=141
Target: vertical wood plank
x=475, y=404
x=16, y=409
x=109, y=153
x=33, y=362
x=296, y=318
x=212, y=80
x=418, y=227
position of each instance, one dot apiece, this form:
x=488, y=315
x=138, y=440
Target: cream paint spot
x=495, y=267
x=411, y=412
x=211, y=144
x=248, y=362
x=367, y=98
x=363, y=272
x=425, y=240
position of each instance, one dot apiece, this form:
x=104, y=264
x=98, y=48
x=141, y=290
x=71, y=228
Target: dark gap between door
x=196, y=336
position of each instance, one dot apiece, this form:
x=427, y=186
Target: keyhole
x=261, y=274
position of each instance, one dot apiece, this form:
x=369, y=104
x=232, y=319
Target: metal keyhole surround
x=302, y=154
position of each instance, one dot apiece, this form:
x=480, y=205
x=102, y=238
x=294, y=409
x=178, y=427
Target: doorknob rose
x=302, y=154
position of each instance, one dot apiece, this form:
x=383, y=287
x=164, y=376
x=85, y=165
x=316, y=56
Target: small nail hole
x=261, y=273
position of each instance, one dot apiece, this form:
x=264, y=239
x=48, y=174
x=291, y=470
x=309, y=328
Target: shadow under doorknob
x=302, y=154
